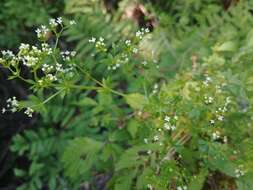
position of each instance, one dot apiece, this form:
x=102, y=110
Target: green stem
x=98, y=82
x=48, y=99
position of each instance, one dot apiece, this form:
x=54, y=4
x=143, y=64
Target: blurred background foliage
x=181, y=30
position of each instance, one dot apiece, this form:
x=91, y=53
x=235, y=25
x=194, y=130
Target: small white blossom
x=59, y=20
x=167, y=118
x=239, y=173
x=42, y=31
x=51, y=77
x=8, y=53
x=156, y=138
x=149, y=187
x=182, y=188
x=53, y=23
x=92, y=40
x=128, y=42
x=12, y=105
x=135, y=50
x=72, y=22
x=216, y=135
x=220, y=117
x=225, y=139
x=3, y=110
x=29, y=111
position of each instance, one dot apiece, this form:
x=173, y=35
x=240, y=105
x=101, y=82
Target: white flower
x=128, y=42
x=59, y=20
x=150, y=187
x=167, y=126
x=24, y=46
x=208, y=100
x=51, y=77
x=144, y=63
x=212, y=121
x=12, y=104
x=8, y=53
x=3, y=110
x=135, y=50
x=220, y=117
x=29, y=111
x=216, y=135
x=53, y=23
x=225, y=139
x=92, y=40
x=167, y=118
x=172, y=127
x=156, y=138
x=239, y=173
x=182, y=188
x=42, y=31
x=147, y=30
x=72, y=22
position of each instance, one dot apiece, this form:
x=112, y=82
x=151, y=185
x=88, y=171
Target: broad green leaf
x=229, y=46
x=79, y=156
x=245, y=182
x=132, y=128
x=136, y=100
x=198, y=181
x=124, y=181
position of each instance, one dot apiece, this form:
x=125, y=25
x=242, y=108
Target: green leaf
x=198, y=181
x=130, y=158
x=79, y=156
x=226, y=47
x=86, y=102
x=124, y=181
x=132, y=128
x=136, y=100
x=19, y=172
x=245, y=182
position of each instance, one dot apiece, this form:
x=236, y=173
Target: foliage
x=17, y=17
x=125, y=115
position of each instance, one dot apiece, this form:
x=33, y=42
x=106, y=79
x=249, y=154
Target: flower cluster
x=207, y=81
x=182, y=187
x=42, y=32
x=55, y=22
x=99, y=44
x=139, y=34
x=221, y=110
x=215, y=135
x=239, y=172
x=208, y=100
x=66, y=55
x=170, y=123
x=12, y=105
x=29, y=111
x=155, y=89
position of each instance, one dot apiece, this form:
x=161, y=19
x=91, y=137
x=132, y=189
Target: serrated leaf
x=226, y=47
x=198, y=181
x=79, y=156
x=132, y=128
x=136, y=100
x=124, y=181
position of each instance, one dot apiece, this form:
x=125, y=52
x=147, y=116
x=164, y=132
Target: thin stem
x=20, y=77
x=99, y=83
x=48, y=99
